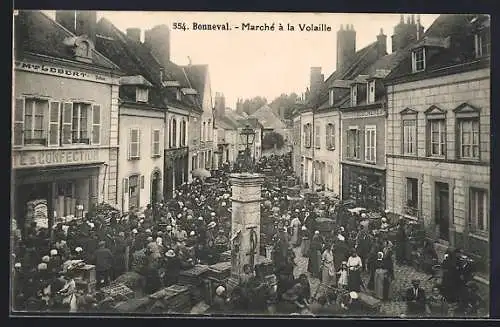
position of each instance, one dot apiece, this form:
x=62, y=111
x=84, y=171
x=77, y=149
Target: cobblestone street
x=404, y=274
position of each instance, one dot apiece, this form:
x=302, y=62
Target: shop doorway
x=155, y=187
x=442, y=210
x=169, y=183
x=33, y=205
x=133, y=192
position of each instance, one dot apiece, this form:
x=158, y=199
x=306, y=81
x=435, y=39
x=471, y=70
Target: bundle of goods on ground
x=172, y=299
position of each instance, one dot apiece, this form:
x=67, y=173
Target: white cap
x=17, y=265
x=200, y=218
x=316, y=232
x=148, y=230
x=363, y=215
x=42, y=266
x=134, y=231
x=169, y=227
x=353, y=295
x=78, y=249
x=192, y=233
x=212, y=214
x=384, y=219
x=220, y=290
x=386, y=211
x=149, y=239
x=45, y=258
x=304, y=228
x=341, y=238
x=53, y=252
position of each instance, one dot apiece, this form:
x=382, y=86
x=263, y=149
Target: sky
x=244, y=64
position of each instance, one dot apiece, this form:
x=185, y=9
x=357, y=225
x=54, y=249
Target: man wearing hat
x=415, y=299
x=172, y=266
x=103, y=264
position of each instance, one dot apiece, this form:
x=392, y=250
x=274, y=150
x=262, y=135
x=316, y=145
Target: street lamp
x=247, y=138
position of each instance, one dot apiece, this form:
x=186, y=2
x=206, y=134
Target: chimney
x=86, y=23
x=220, y=104
x=67, y=19
x=134, y=34
x=316, y=79
x=346, y=45
x=404, y=34
x=157, y=40
x=382, y=43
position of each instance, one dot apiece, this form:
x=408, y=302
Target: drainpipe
x=393, y=130
x=340, y=148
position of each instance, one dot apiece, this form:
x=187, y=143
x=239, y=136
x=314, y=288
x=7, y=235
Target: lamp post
x=247, y=135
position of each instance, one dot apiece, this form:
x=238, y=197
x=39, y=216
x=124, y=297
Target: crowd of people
x=194, y=228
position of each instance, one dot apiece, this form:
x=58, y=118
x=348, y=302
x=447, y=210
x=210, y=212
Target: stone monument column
x=245, y=222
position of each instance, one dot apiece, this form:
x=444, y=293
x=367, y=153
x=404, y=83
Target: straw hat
x=45, y=258
x=170, y=254
x=53, y=252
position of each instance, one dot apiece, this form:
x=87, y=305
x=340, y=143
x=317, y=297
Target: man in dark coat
x=103, y=263
x=401, y=240
x=415, y=299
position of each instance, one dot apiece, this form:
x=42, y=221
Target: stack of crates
x=85, y=278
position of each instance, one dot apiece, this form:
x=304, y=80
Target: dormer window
x=354, y=95
x=482, y=43
x=178, y=95
x=371, y=91
x=418, y=60
x=330, y=98
x=141, y=94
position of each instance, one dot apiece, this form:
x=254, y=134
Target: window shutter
x=130, y=140
x=125, y=186
x=96, y=124
x=67, y=121
x=367, y=144
x=138, y=143
x=374, y=145
x=18, y=136
x=54, y=120
x=142, y=181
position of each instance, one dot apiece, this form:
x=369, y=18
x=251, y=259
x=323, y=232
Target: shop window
x=54, y=118
x=418, y=60
x=353, y=143
x=65, y=189
x=80, y=123
x=411, y=205
x=156, y=143
x=317, y=139
x=478, y=210
x=141, y=94
x=134, y=144
x=371, y=144
x=96, y=124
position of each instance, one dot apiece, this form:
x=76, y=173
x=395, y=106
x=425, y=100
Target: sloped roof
x=459, y=29
x=226, y=123
x=267, y=118
x=134, y=58
x=37, y=33
x=233, y=115
x=197, y=75
x=252, y=122
x=353, y=67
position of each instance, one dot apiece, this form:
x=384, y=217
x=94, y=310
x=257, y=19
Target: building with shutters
x=65, y=119
x=438, y=135
x=142, y=116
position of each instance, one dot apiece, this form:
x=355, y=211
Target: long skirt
x=294, y=239
x=304, y=246
x=314, y=263
x=326, y=278
x=354, y=280
x=380, y=276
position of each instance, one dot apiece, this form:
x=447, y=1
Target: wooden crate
x=220, y=271
x=86, y=286
x=86, y=273
x=117, y=289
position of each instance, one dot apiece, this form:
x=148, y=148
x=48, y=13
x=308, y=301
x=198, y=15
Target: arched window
x=174, y=133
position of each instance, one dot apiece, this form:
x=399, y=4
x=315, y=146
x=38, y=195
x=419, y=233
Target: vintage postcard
x=242, y=164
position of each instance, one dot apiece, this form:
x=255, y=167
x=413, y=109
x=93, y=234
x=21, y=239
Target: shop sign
x=26, y=159
x=364, y=113
x=62, y=72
